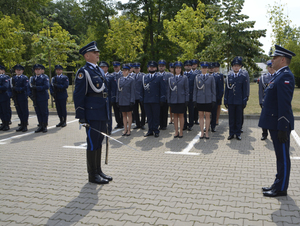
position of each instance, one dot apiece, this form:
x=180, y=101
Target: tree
x=11, y=42
x=186, y=30
x=125, y=38
x=232, y=36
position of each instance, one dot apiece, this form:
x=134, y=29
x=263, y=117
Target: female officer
x=204, y=96
x=178, y=96
x=126, y=98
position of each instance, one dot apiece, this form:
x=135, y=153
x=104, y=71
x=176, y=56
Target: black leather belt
x=102, y=94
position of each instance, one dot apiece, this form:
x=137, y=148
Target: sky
x=257, y=11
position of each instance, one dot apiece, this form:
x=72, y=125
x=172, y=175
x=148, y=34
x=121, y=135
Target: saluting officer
x=92, y=107
x=235, y=98
x=263, y=84
x=111, y=90
x=277, y=116
x=153, y=93
x=116, y=74
x=139, y=120
x=39, y=85
x=204, y=96
x=191, y=77
x=219, y=94
x=126, y=98
x=20, y=96
x=58, y=90
x=4, y=99
x=178, y=97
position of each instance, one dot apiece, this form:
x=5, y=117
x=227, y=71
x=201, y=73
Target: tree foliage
x=187, y=30
x=11, y=42
x=125, y=38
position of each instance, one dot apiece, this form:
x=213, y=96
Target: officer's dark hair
x=181, y=73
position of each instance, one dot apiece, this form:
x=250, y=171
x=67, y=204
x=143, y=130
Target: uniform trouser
x=42, y=111
x=61, y=107
x=196, y=115
x=163, y=115
x=5, y=111
x=10, y=111
x=283, y=161
x=93, y=138
x=235, y=113
x=109, y=123
x=191, y=110
x=118, y=114
x=153, y=115
x=139, y=122
x=265, y=132
x=213, y=121
x=22, y=110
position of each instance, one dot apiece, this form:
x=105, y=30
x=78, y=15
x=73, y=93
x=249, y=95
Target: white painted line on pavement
x=224, y=110
x=26, y=134
x=295, y=157
x=83, y=146
x=296, y=137
x=188, y=148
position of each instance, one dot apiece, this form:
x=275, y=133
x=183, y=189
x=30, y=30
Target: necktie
x=176, y=78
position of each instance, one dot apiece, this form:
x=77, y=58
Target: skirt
x=126, y=108
x=204, y=107
x=178, y=108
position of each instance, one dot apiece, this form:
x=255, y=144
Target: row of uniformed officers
x=19, y=88
x=189, y=93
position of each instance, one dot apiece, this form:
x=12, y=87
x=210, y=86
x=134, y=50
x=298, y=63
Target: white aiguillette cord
x=104, y=134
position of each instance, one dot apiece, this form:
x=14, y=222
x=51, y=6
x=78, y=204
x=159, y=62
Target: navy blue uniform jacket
x=153, y=89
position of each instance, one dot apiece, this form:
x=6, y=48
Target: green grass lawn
x=252, y=108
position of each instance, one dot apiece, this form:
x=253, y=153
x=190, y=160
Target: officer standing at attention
x=178, y=97
x=219, y=98
x=171, y=70
x=195, y=69
x=58, y=90
x=110, y=86
x=277, y=116
x=164, y=106
x=219, y=95
x=20, y=95
x=235, y=99
x=263, y=84
x=152, y=95
x=126, y=98
x=39, y=85
x=191, y=77
x=4, y=99
x=116, y=74
x=92, y=108
x=139, y=120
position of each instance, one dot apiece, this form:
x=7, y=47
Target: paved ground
x=43, y=179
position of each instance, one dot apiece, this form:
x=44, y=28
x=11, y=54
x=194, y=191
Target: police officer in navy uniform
x=58, y=90
x=277, y=116
x=111, y=89
x=139, y=119
x=235, y=98
x=263, y=84
x=20, y=93
x=39, y=85
x=164, y=106
x=116, y=74
x=4, y=99
x=195, y=69
x=92, y=108
x=152, y=95
x=191, y=109
x=219, y=94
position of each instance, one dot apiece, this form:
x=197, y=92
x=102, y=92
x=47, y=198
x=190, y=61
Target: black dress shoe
x=238, y=137
x=202, y=137
x=148, y=134
x=137, y=127
x=189, y=128
x=274, y=193
x=230, y=137
x=263, y=138
x=143, y=127
x=176, y=136
x=207, y=138
x=184, y=128
x=97, y=179
x=267, y=188
x=156, y=135
x=197, y=123
x=109, y=178
x=242, y=130
x=213, y=130
x=180, y=136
